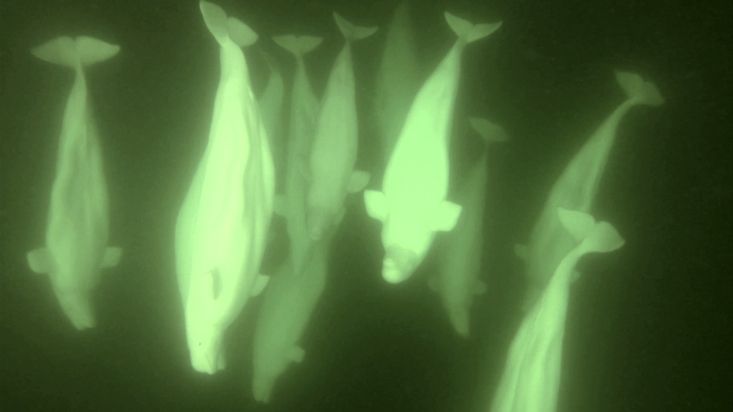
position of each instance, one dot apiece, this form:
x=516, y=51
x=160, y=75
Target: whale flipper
x=444, y=219
x=489, y=132
x=446, y=216
x=358, y=181
x=41, y=261
x=376, y=204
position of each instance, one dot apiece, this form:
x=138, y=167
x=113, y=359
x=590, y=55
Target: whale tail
x=75, y=52
x=469, y=32
x=224, y=27
x=599, y=237
x=351, y=31
x=636, y=88
x=489, y=132
x=298, y=45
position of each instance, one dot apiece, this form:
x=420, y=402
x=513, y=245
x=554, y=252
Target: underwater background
x=649, y=326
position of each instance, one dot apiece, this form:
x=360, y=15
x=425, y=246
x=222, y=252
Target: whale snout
x=315, y=232
x=322, y=222
x=205, y=347
x=79, y=311
x=398, y=265
x=460, y=320
x=262, y=387
x=317, y=224
x=207, y=359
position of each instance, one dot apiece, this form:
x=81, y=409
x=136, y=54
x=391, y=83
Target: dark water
x=650, y=330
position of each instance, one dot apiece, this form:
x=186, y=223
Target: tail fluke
x=298, y=45
x=599, y=237
x=351, y=31
x=468, y=31
x=242, y=34
x=223, y=27
x=635, y=87
x=69, y=52
x=215, y=19
x=489, y=132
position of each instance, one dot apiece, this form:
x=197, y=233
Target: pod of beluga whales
x=224, y=222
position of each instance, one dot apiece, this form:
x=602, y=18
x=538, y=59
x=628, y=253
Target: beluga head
x=399, y=264
x=205, y=347
x=321, y=221
x=407, y=231
x=77, y=307
x=262, y=385
x=204, y=331
x=267, y=369
x=405, y=246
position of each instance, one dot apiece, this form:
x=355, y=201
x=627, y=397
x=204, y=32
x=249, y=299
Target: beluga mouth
x=398, y=265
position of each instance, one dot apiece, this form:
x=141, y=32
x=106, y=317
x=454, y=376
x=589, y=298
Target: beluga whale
x=531, y=378
x=335, y=141
x=78, y=218
x=287, y=306
x=397, y=79
x=457, y=280
x=290, y=203
x=578, y=185
x=270, y=102
x=412, y=205
x=223, y=222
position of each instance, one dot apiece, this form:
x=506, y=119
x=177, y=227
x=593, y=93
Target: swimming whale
x=223, y=222
x=577, y=186
x=78, y=217
x=335, y=141
x=398, y=79
x=290, y=203
x=457, y=280
x=531, y=377
x=412, y=205
x=287, y=306
x=271, y=103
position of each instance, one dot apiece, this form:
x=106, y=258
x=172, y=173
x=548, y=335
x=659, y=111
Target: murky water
x=648, y=327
